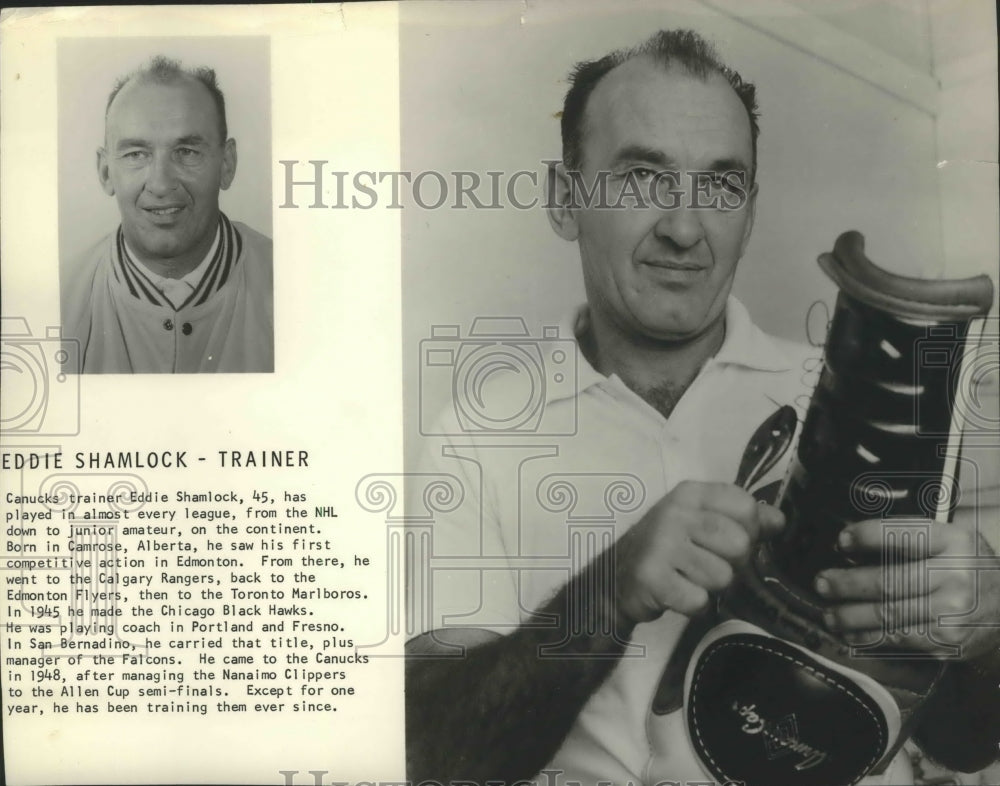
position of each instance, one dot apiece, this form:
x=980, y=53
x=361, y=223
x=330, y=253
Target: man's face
x=164, y=162
x=663, y=272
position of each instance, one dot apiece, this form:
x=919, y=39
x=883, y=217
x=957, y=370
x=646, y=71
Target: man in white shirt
x=551, y=661
x=178, y=287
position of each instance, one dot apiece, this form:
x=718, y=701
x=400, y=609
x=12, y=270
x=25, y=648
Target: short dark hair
x=667, y=47
x=164, y=71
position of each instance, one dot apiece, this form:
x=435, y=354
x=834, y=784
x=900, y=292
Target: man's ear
x=228, y=164
x=751, y=208
x=560, y=208
x=102, y=172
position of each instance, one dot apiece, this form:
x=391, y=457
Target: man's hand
x=686, y=547
x=939, y=600
x=517, y=702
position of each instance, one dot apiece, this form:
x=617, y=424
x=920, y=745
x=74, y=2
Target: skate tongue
x=915, y=298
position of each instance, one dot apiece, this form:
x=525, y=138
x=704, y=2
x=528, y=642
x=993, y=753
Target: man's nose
x=681, y=224
x=160, y=177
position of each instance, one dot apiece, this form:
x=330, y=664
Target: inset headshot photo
x=166, y=262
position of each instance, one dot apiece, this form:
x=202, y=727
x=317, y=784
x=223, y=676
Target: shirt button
x=168, y=324
x=186, y=328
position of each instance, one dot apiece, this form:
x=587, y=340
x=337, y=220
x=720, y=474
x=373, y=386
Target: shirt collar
x=747, y=345
x=744, y=345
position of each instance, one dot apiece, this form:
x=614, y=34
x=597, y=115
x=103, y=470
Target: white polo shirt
x=545, y=488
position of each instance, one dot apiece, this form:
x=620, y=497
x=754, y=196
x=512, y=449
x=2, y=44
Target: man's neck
x=177, y=267
x=658, y=371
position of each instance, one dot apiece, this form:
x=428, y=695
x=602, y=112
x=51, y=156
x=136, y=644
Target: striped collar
x=139, y=283
x=186, y=284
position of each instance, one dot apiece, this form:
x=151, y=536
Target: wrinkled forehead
x=154, y=110
x=642, y=103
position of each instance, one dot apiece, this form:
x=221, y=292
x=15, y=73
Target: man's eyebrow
x=642, y=153
x=127, y=142
x=733, y=164
x=192, y=139
x=189, y=139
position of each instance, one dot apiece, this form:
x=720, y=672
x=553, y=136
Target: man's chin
x=678, y=329
x=678, y=319
x=159, y=243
